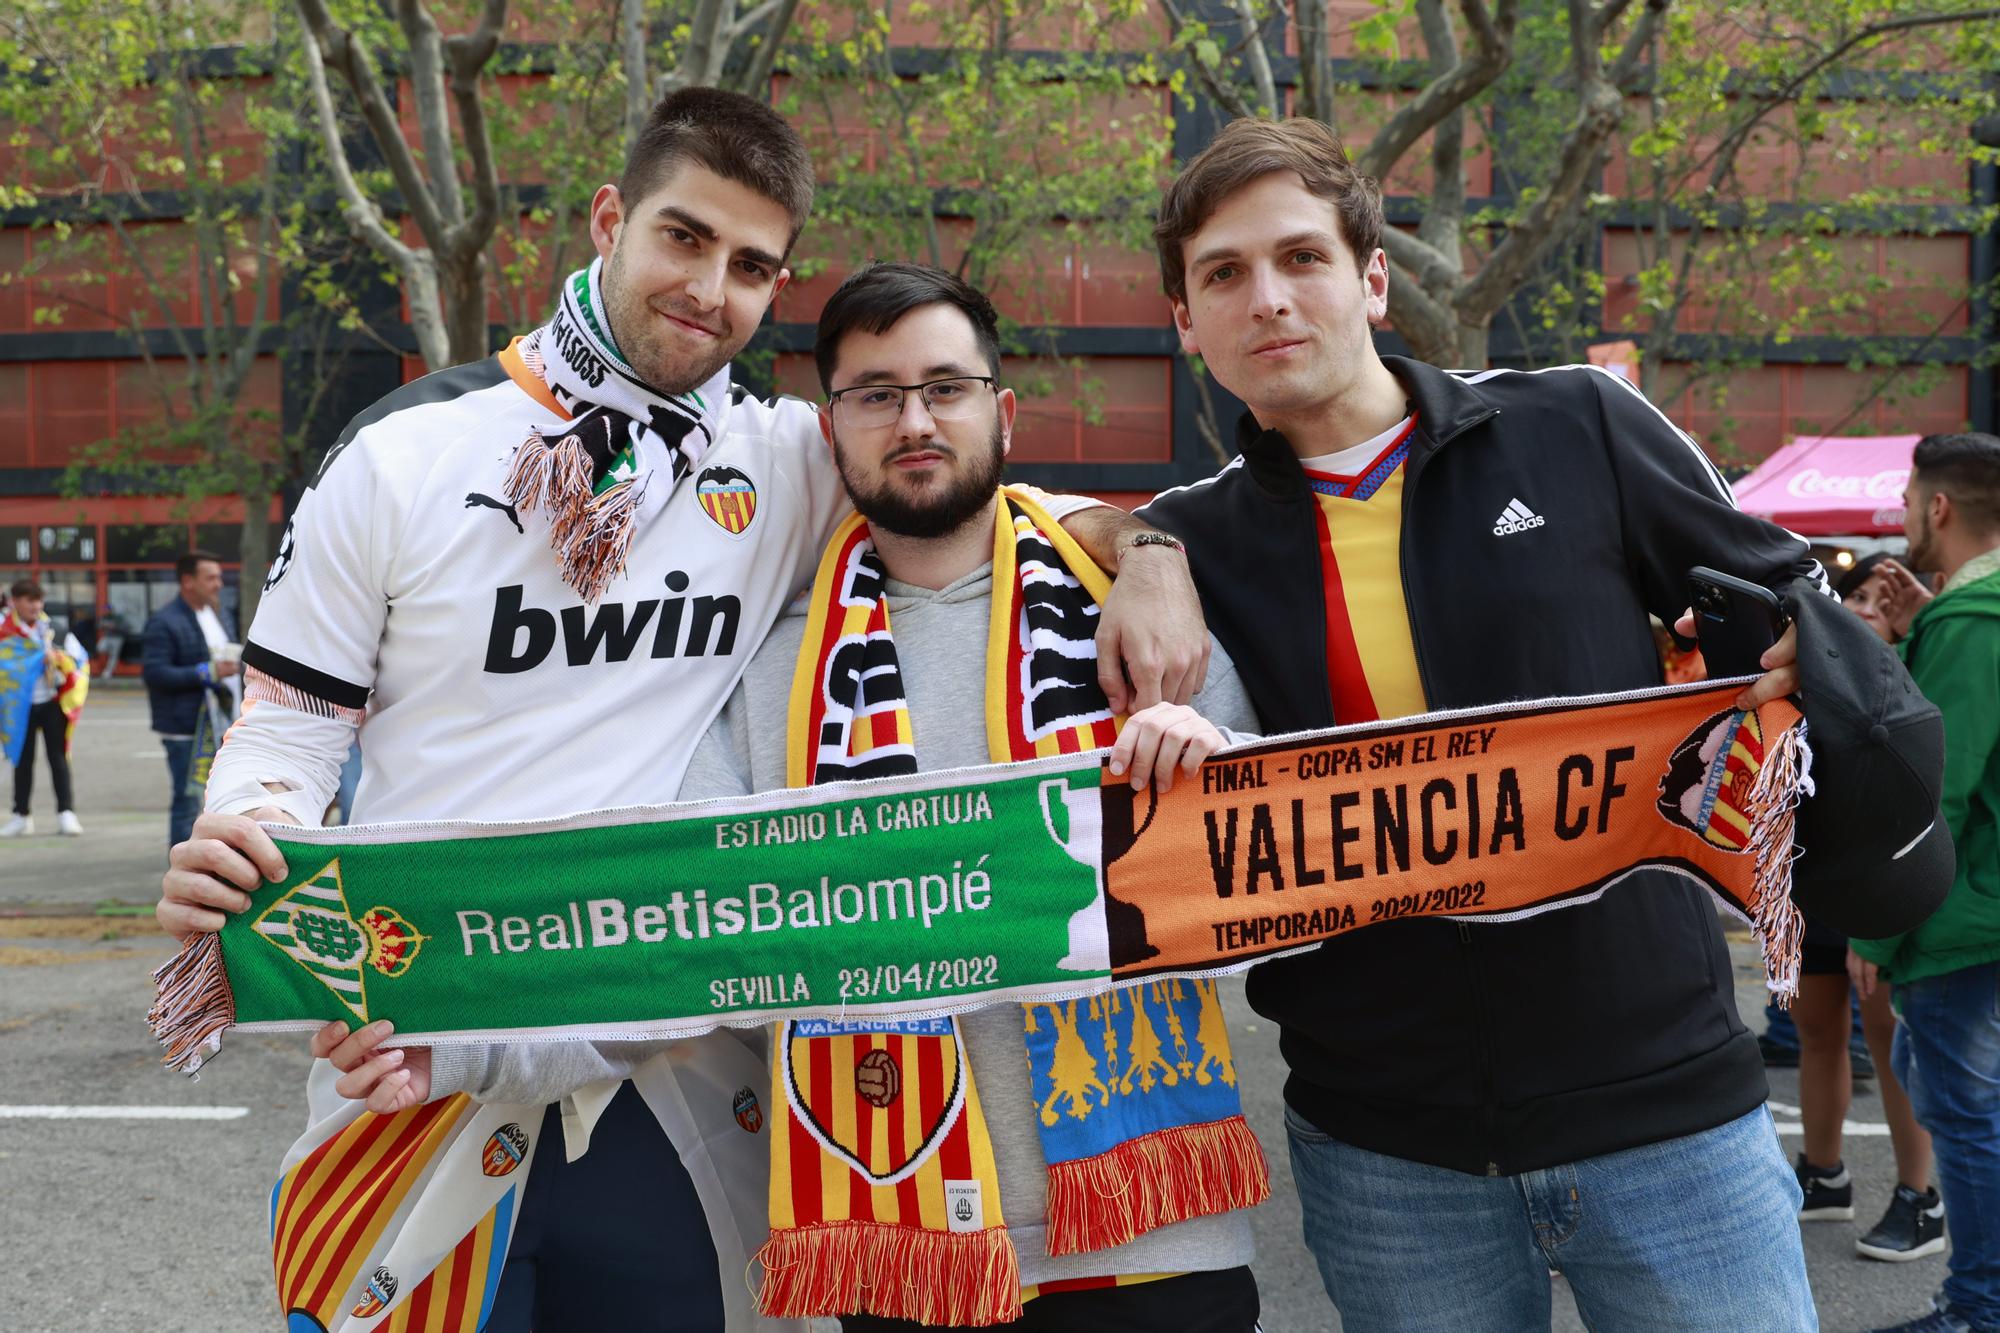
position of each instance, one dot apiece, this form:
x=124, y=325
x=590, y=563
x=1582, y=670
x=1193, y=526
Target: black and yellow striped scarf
x=884, y=1196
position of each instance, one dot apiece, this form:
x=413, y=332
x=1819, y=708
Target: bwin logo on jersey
x=522, y=637
x=1516, y=517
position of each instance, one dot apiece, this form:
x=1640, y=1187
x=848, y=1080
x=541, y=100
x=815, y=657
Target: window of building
x=143, y=543
x=223, y=539
x=71, y=545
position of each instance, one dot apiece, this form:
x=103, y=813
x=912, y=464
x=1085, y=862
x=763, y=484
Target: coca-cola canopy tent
x=1832, y=485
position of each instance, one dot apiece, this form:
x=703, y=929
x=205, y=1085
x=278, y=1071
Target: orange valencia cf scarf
x=884, y=1195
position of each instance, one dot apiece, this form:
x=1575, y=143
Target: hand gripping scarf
x=594, y=480
x=884, y=1197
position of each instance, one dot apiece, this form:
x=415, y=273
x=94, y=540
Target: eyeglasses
x=870, y=405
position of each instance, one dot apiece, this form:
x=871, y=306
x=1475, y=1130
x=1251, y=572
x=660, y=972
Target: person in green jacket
x=1946, y=972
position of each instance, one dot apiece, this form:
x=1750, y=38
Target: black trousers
x=1223, y=1301
x=614, y=1242
x=44, y=720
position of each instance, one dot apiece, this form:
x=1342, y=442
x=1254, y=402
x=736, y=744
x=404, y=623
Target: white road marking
x=1848, y=1129
x=123, y=1112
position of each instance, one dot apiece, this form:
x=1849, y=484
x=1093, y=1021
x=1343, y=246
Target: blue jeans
x=182, y=808
x=1696, y=1233
x=1947, y=1054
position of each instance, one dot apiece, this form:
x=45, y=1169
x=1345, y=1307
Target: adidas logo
x=1516, y=517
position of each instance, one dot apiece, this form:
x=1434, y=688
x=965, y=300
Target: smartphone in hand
x=1734, y=621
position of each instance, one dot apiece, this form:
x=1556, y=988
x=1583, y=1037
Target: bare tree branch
x=1550, y=217
x=1205, y=424
x=1315, y=92
x=1219, y=90
x=468, y=55
x=632, y=57
x=1259, y=59
x=367, y=221
x=332, y=44
x=756, y=81
x=1430, y=268
x=426, y=79
x=707, y=47
x=1493, y=50
x=1427, y=325
x=1444, y=217
x=746, y=22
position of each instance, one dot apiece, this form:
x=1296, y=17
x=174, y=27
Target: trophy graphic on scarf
x=1101, y=829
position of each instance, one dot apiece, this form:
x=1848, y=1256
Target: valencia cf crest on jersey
x=728, y=496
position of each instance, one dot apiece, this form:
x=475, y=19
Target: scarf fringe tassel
x=959, y=1279
x=1154, y=1181
x=591, y=534
x=193, y=1004
x=1784, y=778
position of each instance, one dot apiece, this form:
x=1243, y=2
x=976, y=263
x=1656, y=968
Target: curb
x=105, y=908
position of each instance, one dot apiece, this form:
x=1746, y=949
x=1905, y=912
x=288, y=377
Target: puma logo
x=474, y=500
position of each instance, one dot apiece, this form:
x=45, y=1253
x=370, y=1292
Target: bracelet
x=1152, y=538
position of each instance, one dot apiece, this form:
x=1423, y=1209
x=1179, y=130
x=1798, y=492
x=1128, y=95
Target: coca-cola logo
x=1811, y=483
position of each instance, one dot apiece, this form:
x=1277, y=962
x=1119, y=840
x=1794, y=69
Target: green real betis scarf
x=927, y=894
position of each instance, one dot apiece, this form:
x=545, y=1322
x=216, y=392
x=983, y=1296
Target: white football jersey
x=406, y=586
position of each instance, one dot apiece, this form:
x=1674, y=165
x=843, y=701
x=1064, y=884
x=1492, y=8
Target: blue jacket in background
x=177, y=667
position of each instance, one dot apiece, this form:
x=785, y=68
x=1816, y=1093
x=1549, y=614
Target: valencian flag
x=21, y=664
x=384, y=1215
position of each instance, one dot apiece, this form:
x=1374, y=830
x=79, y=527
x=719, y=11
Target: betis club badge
x=313, y=926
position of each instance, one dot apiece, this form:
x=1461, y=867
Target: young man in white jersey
x=539, y=577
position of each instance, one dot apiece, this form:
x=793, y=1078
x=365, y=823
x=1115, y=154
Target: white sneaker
x=68, y=824
x=20, y=826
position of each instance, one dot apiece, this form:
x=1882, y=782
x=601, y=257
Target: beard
x=943, y=508
x=635, y=326
x=1920, y=552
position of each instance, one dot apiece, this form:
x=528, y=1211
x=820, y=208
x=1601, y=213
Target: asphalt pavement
x=114, y=1217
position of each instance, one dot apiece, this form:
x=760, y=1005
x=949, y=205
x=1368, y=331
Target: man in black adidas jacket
x=1471, y=1105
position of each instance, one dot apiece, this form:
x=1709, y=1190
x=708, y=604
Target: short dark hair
x=875, y=297
x=1861, y=571
x=190, y=564
x=736, y=137
x=1245, y=150
x=1965, y=466
x=25, y=588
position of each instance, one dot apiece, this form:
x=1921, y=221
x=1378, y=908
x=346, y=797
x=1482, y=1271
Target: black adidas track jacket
x=1497, y=1049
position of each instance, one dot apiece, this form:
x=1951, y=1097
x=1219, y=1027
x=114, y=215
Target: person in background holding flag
x=43, y=685
x=188, y=681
